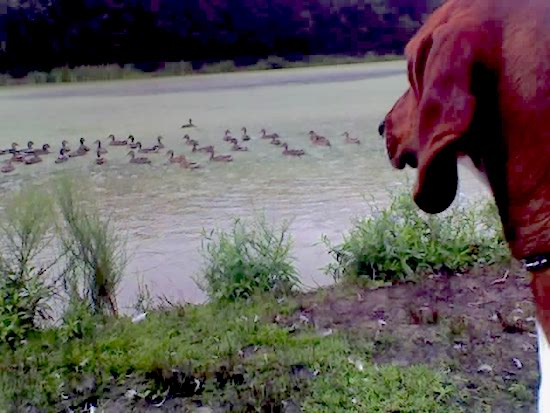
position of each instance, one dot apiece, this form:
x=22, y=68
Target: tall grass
x=401, y=242
x=95, y=253
x=24, y=291
x=247, y=259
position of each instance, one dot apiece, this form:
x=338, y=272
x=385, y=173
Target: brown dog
x=479, y=74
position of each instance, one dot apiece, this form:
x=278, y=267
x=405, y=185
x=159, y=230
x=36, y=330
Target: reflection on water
x=163, y=208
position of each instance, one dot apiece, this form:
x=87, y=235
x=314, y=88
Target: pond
x=162, y=208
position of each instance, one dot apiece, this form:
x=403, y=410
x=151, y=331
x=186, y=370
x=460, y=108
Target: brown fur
x=479, y=74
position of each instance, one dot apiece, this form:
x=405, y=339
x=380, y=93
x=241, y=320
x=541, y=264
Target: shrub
x=248, y=259
x=400, y=241
x=95, y=253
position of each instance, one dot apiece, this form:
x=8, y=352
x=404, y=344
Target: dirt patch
x=477, y=327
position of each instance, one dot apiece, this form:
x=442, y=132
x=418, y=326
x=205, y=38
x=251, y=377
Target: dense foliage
x=39, y=35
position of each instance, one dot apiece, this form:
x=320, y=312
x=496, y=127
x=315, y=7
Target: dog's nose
x=381, y=128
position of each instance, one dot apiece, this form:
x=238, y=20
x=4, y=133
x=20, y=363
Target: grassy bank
x=388, y=336
x=115, y=72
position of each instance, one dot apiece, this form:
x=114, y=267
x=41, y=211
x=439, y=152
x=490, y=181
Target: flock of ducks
x=31, y=155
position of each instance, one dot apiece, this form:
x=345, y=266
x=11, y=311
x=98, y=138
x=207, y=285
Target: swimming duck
x=237, y=147
x=275, y=141
x=220, y=158
x=99, y=160
x=160, y=144
x=227, y=136
x=115, y=142
x=292, y=152
x=100, y=149
x=202, y=149
x=62, y=157
x=82, y=146
x=29, y=147
x=44, y=150
x=32, y=159
x=350, y=139
x=13, y=149
x=154, y=149
x=7, y=167
x=132, y=145
x=265, y=135
x=65, y=146
x=190, y=141
x=188, y=125
x=175, y=159
x=318, y=140
x=140, y=159
x=245, y=136
x=189, y=165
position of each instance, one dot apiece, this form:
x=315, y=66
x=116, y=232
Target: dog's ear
x=442, y=76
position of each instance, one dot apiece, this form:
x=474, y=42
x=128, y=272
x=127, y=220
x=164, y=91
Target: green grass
x=250, y=258
x=115, y=72
x=401, y=242
x=163, y=355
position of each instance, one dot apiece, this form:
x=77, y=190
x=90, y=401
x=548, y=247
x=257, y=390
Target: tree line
x=39, y=35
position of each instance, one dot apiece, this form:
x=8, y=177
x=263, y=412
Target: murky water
x=163, y=208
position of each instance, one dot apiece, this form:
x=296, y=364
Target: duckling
x=82, y=146
x=100, y=149
x=292, y=152
x=44, y=150
x=154, y=149
x=160, y=144
x=175, y=159
x=351, y=140
x=190, y=141
x=188, y=125
x=29, y=147
x=65, y=146
x=220, y=158
x=132, y=145
x=245, y=136
x=318, y=140
x=203, y=149
x=115, y=142
x=7, y=167
x=237, y=147
x=30, y=160
x=227, y=136
x=275, y=141
x=62, y=157
x=269, y=136
x=139, y=160
x=99, y=160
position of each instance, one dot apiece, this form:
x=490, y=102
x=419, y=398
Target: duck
x=188, y=125
x=115, y=142
x=139, y=160
x=65, y=146
x=62, y=157
x=175, y=159
x=7, y=167
x=189, y=165
x=237, y=147
x=99, y=148
x=265, y=135
x=318, y=140
x=160, y=144
x=32, y=159
x=190, y=141
x=29, y=147
x=245, y=136
x=275, y=141
x=350, y=139
x=18, y=157
x=227, y=136
x=202, y=149
x=44, y=150
x=13, y=149
x=99, y=160
x=292, y=152
x=82, y=146
x=154, y=149
x=132, y=144
x=220, y=158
